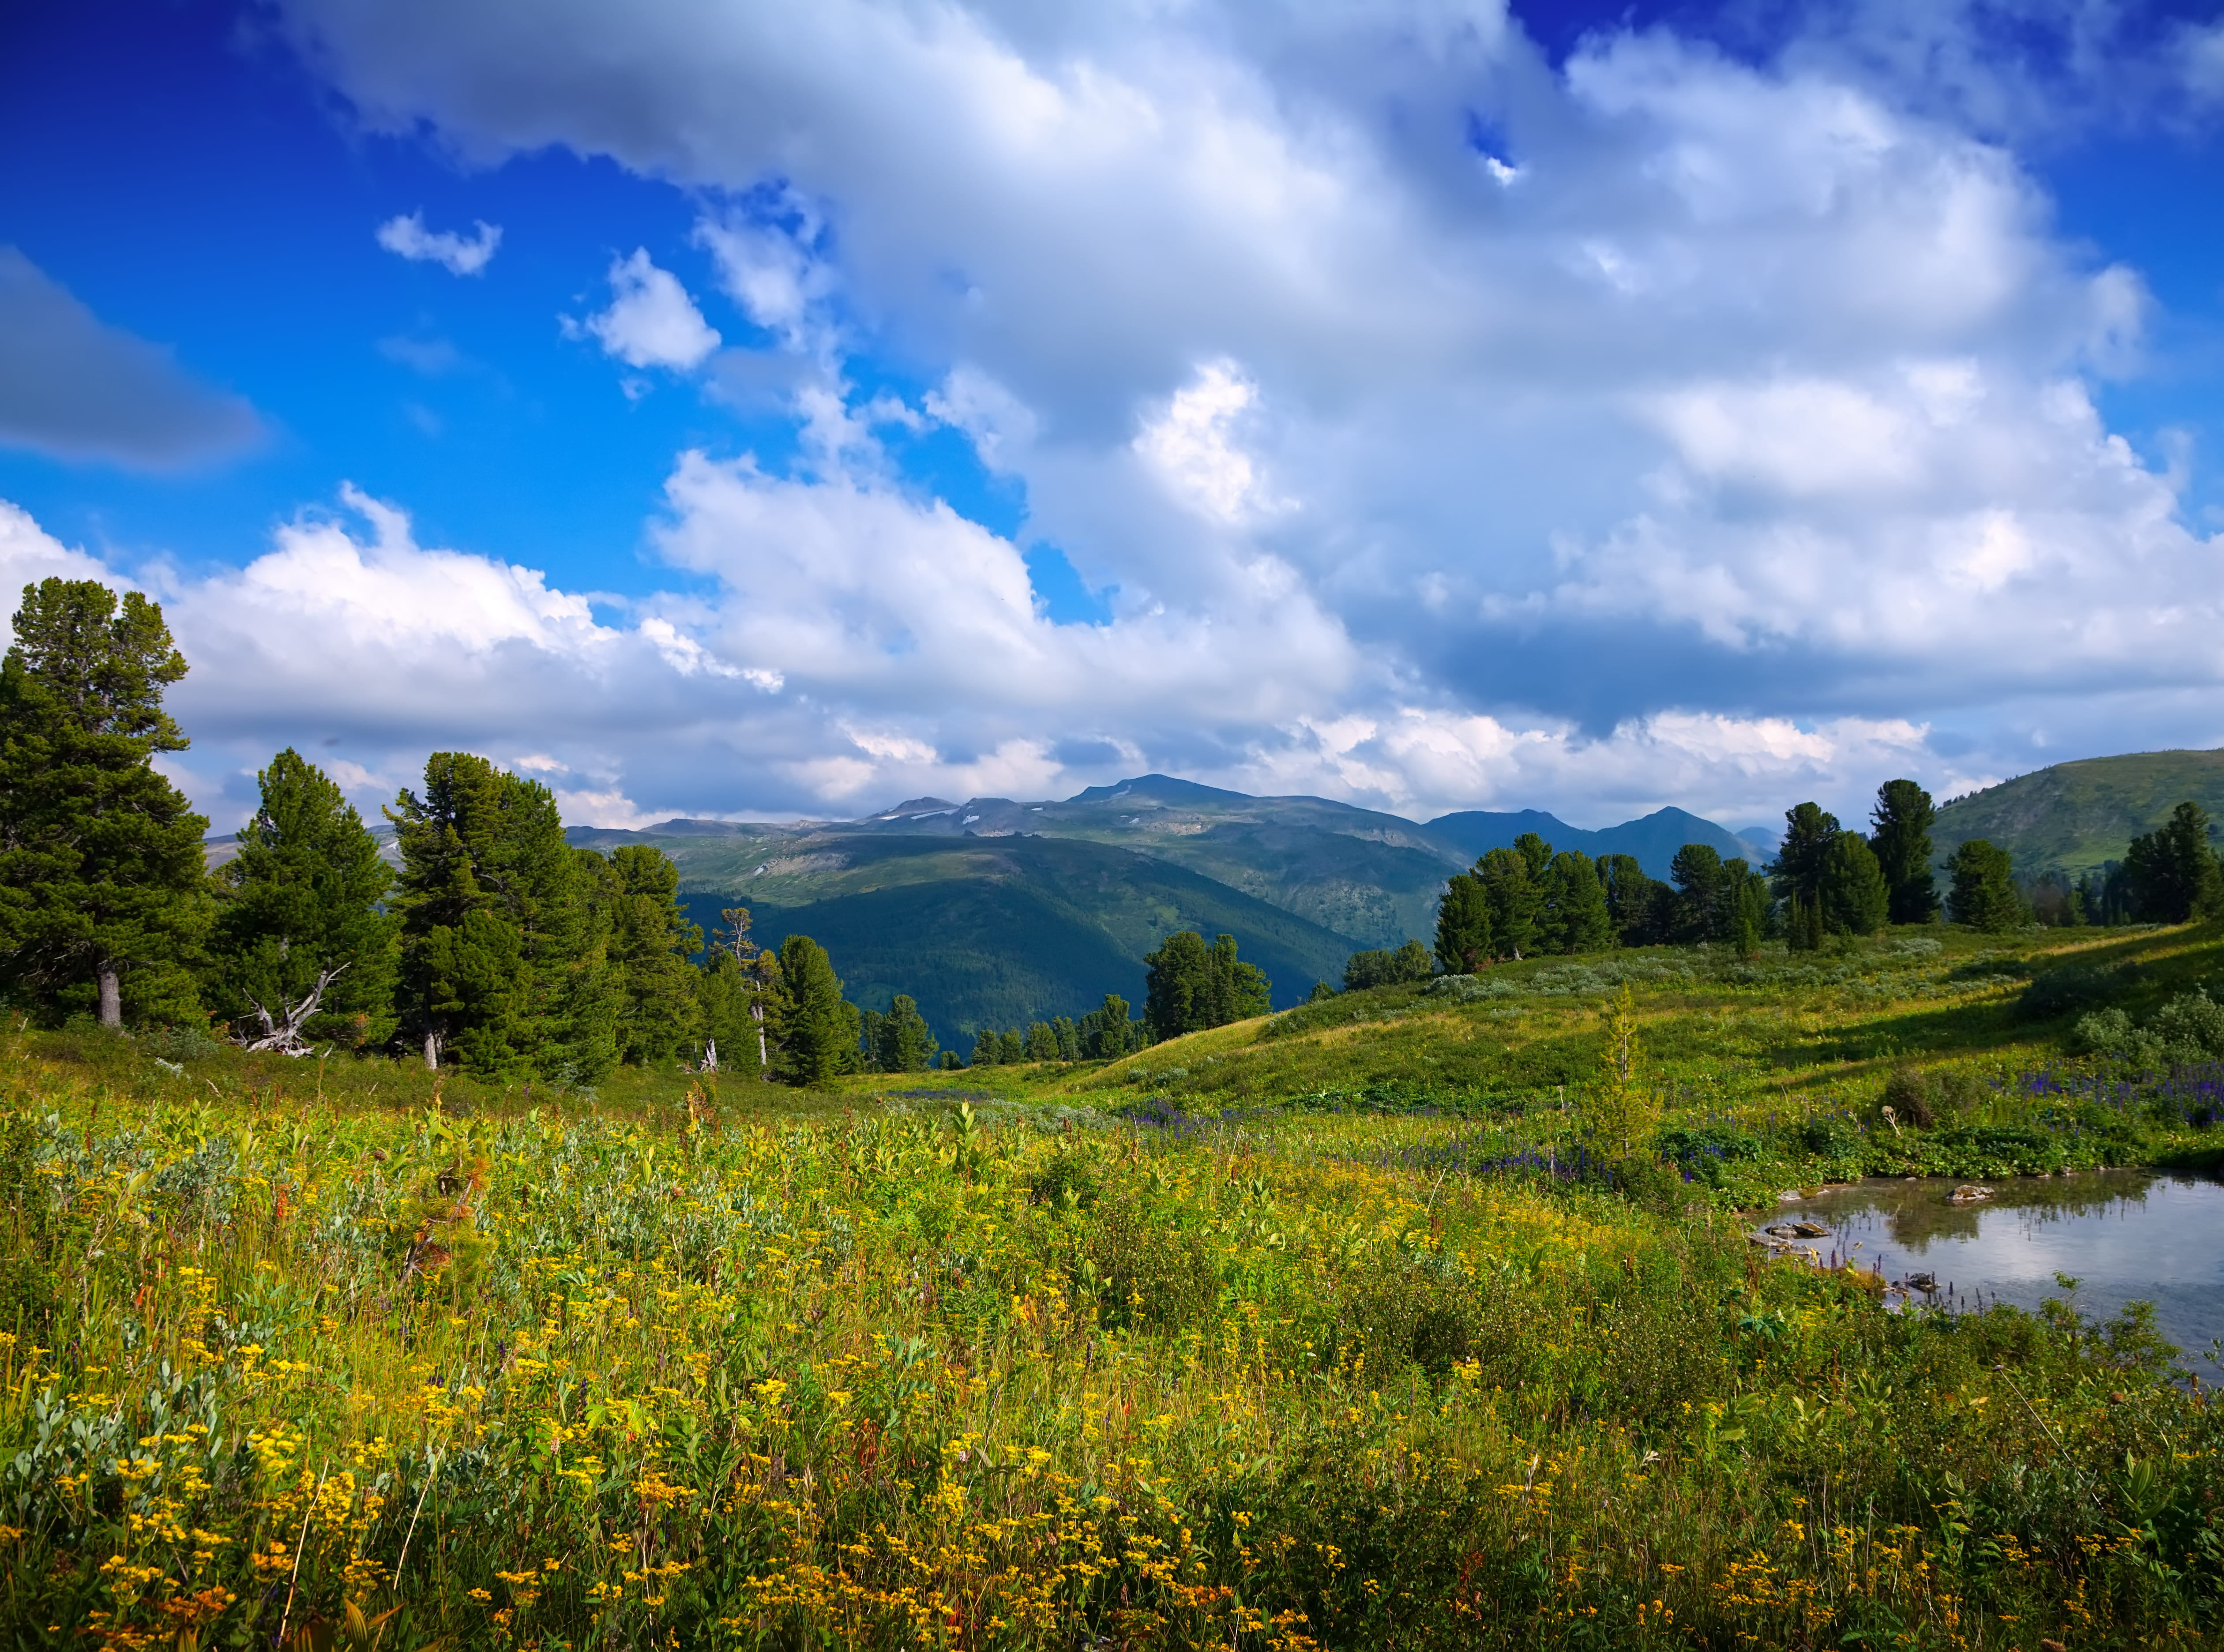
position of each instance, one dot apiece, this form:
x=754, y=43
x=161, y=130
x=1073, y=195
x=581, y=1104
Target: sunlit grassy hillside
x=1342, y=1328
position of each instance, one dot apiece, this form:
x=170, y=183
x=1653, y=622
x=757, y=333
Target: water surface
x=2126, y=1235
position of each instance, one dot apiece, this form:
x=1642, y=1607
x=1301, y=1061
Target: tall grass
x=702, y=1376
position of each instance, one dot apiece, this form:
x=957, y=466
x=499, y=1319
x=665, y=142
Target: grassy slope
x=2074, y=817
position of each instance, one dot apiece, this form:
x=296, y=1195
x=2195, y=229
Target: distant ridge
x=2074, y=817
x=1652, y=841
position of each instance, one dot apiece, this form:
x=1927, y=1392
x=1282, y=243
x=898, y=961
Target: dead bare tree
x=282, y=1031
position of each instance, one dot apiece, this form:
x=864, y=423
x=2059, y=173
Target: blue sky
x=1426, y=404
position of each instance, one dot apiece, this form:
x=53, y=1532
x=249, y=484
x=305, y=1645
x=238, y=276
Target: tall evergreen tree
x=651, y=941
x=1982, y=893
x=902, y=1042
x=817, y=1030
x=504, y=926
x=1107, y=1033
x=1191, y=986
x=1635, y=902
x=1856, y=898
x=1462, y=925
x=301, y=952
x=1573, y=915
x=101, y=890
x=2172, y=872
x=1796, y=875
x=1510, y=891
x=1702, y=890
x=1900, y=837
x=1745, y=906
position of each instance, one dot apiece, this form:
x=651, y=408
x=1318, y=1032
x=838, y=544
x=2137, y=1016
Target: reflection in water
x=2124, y=1234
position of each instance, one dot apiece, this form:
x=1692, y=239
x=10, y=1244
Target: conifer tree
x=1635, y=903
x=302, y=953
x=1856, y=898
x=817, y=1030
x=102, y=892
x=1796, y=875
x=651, y=941
x=1703, y=892
x=902, y=1042
x=504, y=927
x=1510, y=891
x=1462, y=925
x=2171, y=871
x=1191, y=986
x=1983, y=893
x=988, y=1049
x=1900, y=836
x=1573, y=915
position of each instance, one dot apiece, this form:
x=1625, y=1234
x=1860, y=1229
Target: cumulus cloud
x=407, y=237
x=652, y=321
x=1660, y=424
x=75, y=388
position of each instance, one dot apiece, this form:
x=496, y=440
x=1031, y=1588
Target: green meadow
x=1415, y=1317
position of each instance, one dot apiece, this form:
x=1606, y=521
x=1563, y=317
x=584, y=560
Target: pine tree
x=1191, y=986
x=1106, y=1032
x=1983, y=891
x=1388, y=966
x=1745, y=906
x=504, y=927
x=103, y=895
x=988, y=1049
x=1574, y=916
x=1856, y=898
x=1635, y=903
x=651, y=941
x=1462, y=925
x=817, y=1030
x=725, y=1000
x=1701, y=896
x=1510, y=891
x=2171, y=871
x=1900, y=837
x=1796, y=875
x=902, y=1042
x=302, y=953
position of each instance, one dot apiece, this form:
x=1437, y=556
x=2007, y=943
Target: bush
x=2185, y=1031
x=1829, y=1135
x=1907, y=1093
x=1410, y=962
x=1068, y=1182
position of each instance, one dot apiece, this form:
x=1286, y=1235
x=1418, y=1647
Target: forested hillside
x=2076, y=817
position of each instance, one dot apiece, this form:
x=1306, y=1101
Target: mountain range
x=996, y=912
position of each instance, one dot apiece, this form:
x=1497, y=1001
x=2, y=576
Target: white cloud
x=1750, y=414
x=407, y=237
x=652, y=322
x=1191, y=445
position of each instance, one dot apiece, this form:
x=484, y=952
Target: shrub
x=1907, y=1093
x=1067, y=1181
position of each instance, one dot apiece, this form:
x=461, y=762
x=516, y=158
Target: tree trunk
x=757, y=1010
x=111, y=997
x=710, y=1056
x=432, y=1049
